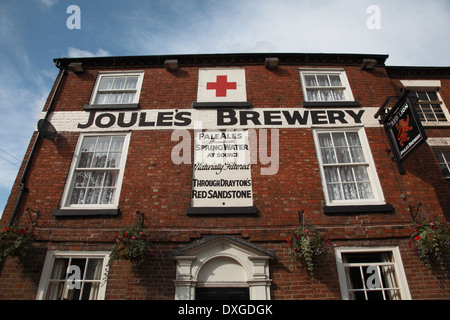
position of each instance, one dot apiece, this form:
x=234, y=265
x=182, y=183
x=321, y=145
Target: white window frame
x=65, y=201
x=428, y=85
x=52, y=255
x=369, y=163
x=104, y=74
x=340, y=72
x=398, y=264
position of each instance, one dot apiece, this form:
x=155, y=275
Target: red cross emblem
x=221, y=86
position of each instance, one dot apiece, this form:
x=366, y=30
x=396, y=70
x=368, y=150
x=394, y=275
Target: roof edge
x=225, y=59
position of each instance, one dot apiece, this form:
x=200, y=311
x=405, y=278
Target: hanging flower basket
x=431, y=241
x=306, y=245
x=132, y=244
x=16, y=241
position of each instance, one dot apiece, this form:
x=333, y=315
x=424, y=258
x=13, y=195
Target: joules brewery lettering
x=152, y=119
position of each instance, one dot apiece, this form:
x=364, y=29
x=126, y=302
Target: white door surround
x=222, y=261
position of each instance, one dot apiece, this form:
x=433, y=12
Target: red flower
x=417, y=238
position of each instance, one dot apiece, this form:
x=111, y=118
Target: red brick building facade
x=125, y=151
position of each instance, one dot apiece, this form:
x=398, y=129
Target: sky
x=34, y=32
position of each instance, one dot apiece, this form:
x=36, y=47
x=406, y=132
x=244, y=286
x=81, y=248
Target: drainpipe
x=22, y=181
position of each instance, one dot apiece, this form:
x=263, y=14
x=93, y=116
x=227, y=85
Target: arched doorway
x=222, y=278
x=222, y=267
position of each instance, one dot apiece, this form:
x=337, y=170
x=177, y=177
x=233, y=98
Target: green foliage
x=131, y=244
x=306, y=245
x=16, y=241
x=431, y=241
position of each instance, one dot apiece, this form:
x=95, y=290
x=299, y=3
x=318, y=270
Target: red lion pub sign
x=403, y=128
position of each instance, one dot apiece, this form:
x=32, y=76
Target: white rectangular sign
x=222, y=171
x=221, y=85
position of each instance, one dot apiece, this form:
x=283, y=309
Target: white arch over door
x=222, y=261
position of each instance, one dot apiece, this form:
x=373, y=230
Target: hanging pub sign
x=404, y=129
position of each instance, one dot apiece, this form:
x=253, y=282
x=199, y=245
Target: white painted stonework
x=222, y=262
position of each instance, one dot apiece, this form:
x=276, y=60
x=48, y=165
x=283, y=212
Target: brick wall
x=161, y=189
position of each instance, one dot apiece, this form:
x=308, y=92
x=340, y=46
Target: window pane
x=116, y=98
x=117, y=143
x=131, y=82
x=99, y=160
x=326, y=95
x=81, y=179
x=96, y=179
x=92, y=196
x=428, y=112
x=359, y=257
x=72, y=294
x=93, y=271
x=85, y=160
x=80, y=263
x=106, y=83
x=339, y=139
x=110, y=179
x=90, y=291
x=310, y=81
x=438, y=112
x=350, y=191
x=103, y=144
x=335, y=80
x=55, y=290
x=103, y=98
x=338, y=94
x=432, y=96
x=88, y=144
x=422, y=95
x=353, y=139
x=331, y=174
x=365, y=191
x=77, y=196
x=334, y=192
x=119, y=83
x=313, y=95
x=323, y=80
x=357, y=154
x=107, y=196
x=356, y=278
x=128, y=97
x=346, y=174
x=113, y=160
x=361, y=173
x=343, y=155
x=325, y=140
x=328, y=155
x=59, y=268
